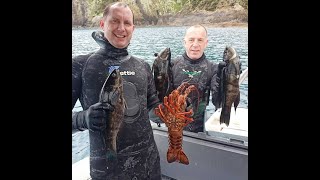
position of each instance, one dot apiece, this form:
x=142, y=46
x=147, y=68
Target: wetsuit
x=202, y=74
x=137, y=153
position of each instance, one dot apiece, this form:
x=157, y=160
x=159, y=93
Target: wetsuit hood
x=106, y=47
x=191, y=61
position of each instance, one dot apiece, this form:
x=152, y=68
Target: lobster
x=175, y=116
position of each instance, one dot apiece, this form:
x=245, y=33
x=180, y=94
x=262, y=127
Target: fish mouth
x=110, y=89
x=165, y=54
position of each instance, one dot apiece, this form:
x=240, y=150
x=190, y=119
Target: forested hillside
x=166, y=12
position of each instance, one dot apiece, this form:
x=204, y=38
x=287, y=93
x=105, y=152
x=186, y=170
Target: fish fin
x=237, y=101
x=111, y=155
x=125, y=105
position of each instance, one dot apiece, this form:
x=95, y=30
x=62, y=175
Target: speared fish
x=112, y=93
x=162, y=73
x=229, y=84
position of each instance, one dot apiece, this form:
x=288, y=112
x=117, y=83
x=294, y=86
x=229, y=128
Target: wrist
x=80, y=122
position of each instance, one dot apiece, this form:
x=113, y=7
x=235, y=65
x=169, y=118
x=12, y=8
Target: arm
x=77, y=66
x=90, y=118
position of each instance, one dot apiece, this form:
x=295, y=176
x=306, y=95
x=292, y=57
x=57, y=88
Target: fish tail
x=225, y=116
x=111, y=151
x=111, y=155
x=111, y=163
x=237, y=101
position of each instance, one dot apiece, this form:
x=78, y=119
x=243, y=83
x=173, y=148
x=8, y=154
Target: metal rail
x=243, y=75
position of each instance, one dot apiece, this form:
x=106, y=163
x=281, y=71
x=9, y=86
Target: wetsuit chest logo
x=127, y=73
x=191, y=73
x=122, y=73
x=111, y=68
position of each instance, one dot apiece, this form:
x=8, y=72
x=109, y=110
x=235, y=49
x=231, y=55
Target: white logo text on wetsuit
x=127, y=73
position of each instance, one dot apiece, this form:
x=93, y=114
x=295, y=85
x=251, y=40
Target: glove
x=154, y=118
x=189, y=105
x=94, y=118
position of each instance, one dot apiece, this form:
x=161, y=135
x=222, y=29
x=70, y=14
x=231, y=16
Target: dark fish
x=112, y=93
x=229, y=83
x=162, y=73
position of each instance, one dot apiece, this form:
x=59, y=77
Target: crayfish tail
x=178, y=156
x=171, y=156
x=182, y=157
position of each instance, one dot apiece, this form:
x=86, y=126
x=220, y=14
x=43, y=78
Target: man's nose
x=121, y=26
x=196, y=43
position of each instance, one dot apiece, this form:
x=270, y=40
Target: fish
x=162, y=73
x=229, y=84
x=112, y=93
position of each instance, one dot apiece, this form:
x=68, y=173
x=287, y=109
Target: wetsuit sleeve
x=77, y=67
x=152, y=98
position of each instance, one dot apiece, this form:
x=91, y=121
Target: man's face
x=195, y=42
x=118, y=26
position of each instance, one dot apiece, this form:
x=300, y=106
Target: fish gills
x=112, y=93
x=230, y=84
x=162, y=73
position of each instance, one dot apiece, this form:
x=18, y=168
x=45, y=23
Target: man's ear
x=101, y=23
x=206, y=43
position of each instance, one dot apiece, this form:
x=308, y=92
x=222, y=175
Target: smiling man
x=193, y=67
x=136, y=155
x=117, y=25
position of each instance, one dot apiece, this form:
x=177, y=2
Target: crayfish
x=174, y=114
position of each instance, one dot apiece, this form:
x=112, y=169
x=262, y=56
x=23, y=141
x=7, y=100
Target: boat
x=218, y=153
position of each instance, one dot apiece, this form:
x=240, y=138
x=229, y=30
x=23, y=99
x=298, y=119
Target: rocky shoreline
x=235, y=16
x=215, y=25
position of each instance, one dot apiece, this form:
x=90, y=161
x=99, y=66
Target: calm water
x=149, y=40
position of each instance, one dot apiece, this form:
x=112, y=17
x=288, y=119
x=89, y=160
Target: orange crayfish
x=173, y=113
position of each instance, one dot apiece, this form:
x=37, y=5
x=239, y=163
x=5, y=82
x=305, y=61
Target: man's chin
x=120, y=45
x=194, y=57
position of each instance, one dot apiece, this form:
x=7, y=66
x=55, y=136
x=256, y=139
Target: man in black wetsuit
x=137, y=153
x=193, y=67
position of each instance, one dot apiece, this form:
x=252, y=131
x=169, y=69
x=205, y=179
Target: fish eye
x=113, y=75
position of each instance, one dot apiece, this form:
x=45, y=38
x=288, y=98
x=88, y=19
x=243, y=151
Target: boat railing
x=243, y=76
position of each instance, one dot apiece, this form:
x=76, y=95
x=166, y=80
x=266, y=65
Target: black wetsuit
x=137, y=153
x=202, y=74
